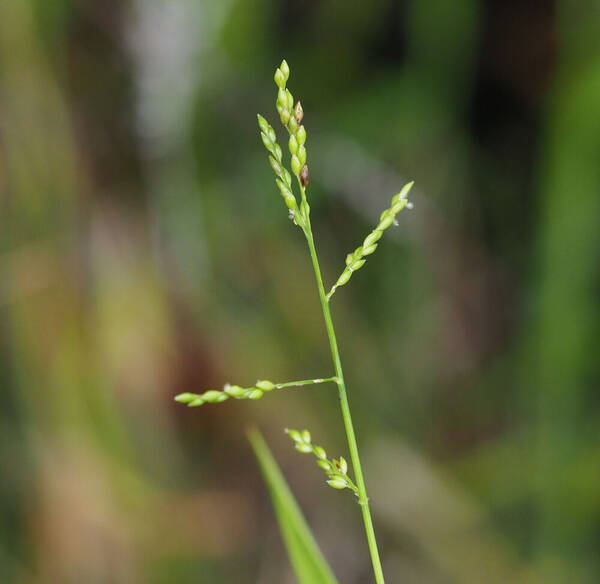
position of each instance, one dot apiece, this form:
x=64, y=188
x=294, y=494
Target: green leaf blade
x=308, y=562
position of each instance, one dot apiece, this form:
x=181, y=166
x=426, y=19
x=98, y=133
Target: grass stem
x=345, y=406
x=306, y=382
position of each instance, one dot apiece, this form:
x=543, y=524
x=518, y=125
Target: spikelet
x=336, y=470
x=291, y=117
x=283, y=178
x=355, y=260
x=215, y=396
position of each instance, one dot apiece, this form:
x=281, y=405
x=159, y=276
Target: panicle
x=355, y=260
x=216, y=396
x=336, y=470
x=291, y=117
x=283, y=178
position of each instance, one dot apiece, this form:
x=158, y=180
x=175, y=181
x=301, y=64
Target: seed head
x=355, y=261
x=291, y=118
x=336, y=470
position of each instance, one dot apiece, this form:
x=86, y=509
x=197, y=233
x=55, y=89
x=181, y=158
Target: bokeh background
x=145, y=251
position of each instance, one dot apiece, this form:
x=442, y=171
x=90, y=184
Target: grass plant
x=291, y=115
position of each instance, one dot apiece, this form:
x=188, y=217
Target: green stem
x=306, y=382
x=352, y=445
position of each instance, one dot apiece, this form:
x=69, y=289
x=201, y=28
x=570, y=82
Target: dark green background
x=145, y=251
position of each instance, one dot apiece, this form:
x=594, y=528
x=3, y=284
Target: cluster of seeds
x=255, y=392
x=283, y=177
x=215, y=396
x=355, y=260
x=291, y=117
x=337, y=470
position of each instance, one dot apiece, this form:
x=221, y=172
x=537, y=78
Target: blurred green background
x=145, y=251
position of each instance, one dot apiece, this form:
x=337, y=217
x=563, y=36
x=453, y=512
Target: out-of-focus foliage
x=145, y=252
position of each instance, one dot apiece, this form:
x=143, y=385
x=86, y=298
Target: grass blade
x=305, y=556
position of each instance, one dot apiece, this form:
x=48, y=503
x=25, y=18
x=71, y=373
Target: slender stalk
x=305, y=382
x=352, y=445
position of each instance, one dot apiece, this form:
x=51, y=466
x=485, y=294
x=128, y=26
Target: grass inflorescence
x=291, y=115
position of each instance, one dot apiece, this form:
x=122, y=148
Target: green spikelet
x=355, y=260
